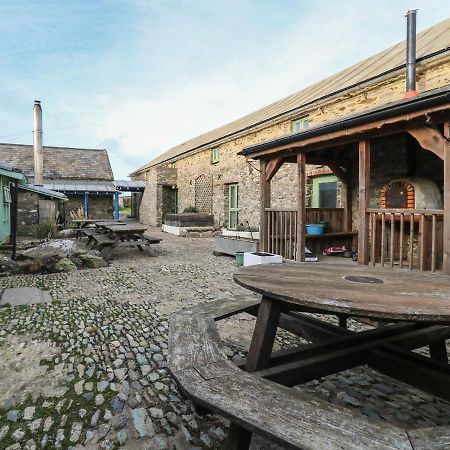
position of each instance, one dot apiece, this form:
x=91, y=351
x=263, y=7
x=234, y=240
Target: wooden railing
x=281, y=236
x=407, y=238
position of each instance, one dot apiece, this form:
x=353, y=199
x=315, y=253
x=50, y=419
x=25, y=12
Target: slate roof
x=434, y=40
x=41, y=190
x=60, y=162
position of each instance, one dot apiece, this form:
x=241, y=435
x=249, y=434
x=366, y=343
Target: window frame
x=317, y=181
x=303, y=123
x=6, y=194
x=215, y=155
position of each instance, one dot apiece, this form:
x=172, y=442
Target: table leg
x=238, y=438
x=263, y=335
x=258, y=358
x=438, y=351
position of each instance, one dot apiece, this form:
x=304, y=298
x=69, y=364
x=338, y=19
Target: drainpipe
x=37, y=144
x=411, y=54
x=86, y=204
x=116, y=205
x=14, y=208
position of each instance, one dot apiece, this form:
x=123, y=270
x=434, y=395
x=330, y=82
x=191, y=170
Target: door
x=233, y=206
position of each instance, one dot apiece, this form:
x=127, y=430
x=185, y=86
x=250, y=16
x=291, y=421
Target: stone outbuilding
x=207, y=172
x=84, y=175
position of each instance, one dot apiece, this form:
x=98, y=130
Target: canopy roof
x=80, y=187
x=129, y=186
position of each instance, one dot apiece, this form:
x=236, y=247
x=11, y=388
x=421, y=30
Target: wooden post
x=446, y=231
x=344, y=177
x=301, y=205
x=364, y=201
x=265, y=195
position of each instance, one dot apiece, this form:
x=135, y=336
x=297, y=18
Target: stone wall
x=27, y=213
x=233, y=168
x=28, y=216
x=100, y=206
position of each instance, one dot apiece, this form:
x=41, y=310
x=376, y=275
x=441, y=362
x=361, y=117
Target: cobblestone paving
x=89, y=369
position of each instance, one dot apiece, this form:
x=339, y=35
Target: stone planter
x=254, y=258
x=241, y=234
x=231, y=245
x=189, y=220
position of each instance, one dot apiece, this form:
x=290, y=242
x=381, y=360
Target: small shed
x=8, y=175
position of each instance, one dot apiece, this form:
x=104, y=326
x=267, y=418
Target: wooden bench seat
x=283, y=415
x=102, y=240
x=89, y=233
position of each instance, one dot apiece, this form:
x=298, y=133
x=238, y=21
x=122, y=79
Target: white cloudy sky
x=140, y=76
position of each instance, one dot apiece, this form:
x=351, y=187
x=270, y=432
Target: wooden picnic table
x=414, y=309
x=83, y=223
x=123, y=235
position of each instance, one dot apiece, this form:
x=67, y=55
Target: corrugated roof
x=429, y=42
x=60, y=162
x=81, y=187
x=127, y=185
x=43, y=191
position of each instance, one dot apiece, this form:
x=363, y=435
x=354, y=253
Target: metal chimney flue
x=411, y=54
x=37, y=144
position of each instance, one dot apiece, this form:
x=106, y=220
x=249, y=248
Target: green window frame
x=215, y=155
x=317, y=181
x=6, y=194
x=233, y=206
x=300, y=124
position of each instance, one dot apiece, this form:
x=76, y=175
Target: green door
x=5, y=207
x=233, y=206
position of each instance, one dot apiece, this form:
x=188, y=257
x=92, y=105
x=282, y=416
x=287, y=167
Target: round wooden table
x=352, y=290
x=414, y=306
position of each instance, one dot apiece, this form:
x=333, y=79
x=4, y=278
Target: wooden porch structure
x=414, y=238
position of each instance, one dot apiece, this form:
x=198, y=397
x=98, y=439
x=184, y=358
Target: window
x=300, y=124
x=233, y=206
x=325, y=192
x=215, y=155
x=6, y=194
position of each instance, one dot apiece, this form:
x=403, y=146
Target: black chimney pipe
x=411, y=54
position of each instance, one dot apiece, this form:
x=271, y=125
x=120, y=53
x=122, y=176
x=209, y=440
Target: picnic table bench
x=283, y=415
x=254, y=393
x=123, y=235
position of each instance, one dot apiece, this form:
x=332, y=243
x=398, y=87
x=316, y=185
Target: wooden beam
x=364, y=201
x=429, y=139
x=344, y=177
x=265, y=199
x=301, y=204
x=272, y=168
x=446, y=231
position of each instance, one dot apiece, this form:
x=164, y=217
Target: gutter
x=434, y=98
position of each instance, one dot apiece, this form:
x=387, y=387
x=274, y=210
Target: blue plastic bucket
x=315, y=228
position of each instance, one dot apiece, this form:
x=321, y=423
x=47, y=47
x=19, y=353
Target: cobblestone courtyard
x=88, y=370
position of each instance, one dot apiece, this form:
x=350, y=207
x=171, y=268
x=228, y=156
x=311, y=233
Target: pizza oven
x=411, y=193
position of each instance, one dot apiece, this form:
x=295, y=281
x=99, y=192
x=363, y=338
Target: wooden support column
x=446, y=233
x=344, y=177
x=265, y=194
x=364, y=201
x=301, y=205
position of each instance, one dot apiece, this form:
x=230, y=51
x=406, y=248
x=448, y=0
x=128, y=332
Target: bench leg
x=238, y=438
x=263, y=336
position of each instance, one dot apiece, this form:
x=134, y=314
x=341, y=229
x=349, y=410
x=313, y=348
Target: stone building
x=84, y=175
x=207, y=172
